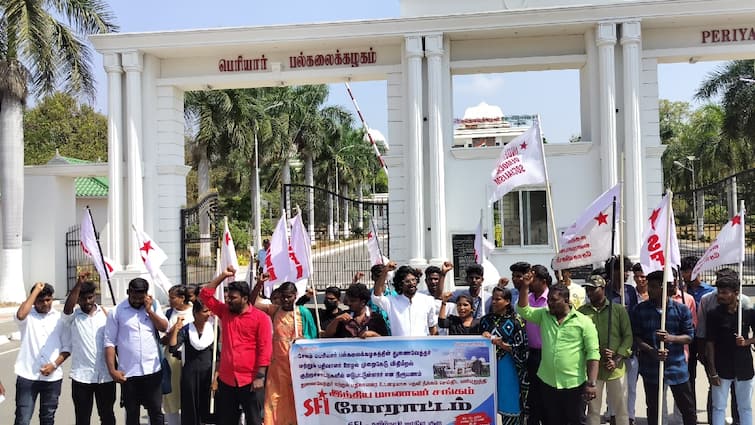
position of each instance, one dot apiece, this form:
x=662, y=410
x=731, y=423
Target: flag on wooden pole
x=227, y=258
x=521, y=163
x=588, y=239
x=728, y=248
x=654, y=252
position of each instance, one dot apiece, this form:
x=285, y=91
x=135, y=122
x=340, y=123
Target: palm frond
x=86, y=16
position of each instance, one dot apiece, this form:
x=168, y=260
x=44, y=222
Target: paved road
x=65, y=414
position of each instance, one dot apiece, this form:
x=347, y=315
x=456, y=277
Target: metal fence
x=200, y=234
x=701, y=213
x=338, y=226
x=77, y=262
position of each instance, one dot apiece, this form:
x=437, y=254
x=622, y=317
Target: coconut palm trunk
x=11, y=198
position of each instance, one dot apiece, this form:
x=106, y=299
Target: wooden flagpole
x=667, y=277
x=622, y=223
x=102, y=256
x=548, y=196
x=215, y=336
x=741, y=270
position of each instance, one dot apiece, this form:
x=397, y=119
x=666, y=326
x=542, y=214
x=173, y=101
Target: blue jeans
x=26, y=396
x=743, y=390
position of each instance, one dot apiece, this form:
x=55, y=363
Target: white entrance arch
x=616, y=46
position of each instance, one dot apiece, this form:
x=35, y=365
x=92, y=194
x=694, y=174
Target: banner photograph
x=386, y=381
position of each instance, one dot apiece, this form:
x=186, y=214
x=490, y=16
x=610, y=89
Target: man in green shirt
x=615, y=339
x=570, y=355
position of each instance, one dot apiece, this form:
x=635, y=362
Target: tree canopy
x=60, y=122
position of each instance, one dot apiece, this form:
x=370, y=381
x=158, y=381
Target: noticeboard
x=462, y=249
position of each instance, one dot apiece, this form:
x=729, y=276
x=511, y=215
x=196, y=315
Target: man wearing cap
x=132, y=327
x=615, y=340
x=648, y=334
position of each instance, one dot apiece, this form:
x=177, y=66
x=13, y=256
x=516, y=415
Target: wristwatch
x=591, y=384
x=259, y=375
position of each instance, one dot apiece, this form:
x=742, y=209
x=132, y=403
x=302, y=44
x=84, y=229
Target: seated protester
x=411, y=313
x=330, y=308
x=360, y=321
x=474, y=278
x=463, y=324
x=193, y=342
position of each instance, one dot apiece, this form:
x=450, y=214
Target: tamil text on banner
x=660, y=228
x=728, y=248
x=588, y=240
x=430, y=380
x=521, y=163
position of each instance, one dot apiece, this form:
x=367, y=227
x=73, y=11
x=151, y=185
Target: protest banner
x=422, y=381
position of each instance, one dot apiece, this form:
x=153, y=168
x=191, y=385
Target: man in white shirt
x=410, y=313
x=435, y=278
x=90, y=379
x=132, y=327
x=39, y=359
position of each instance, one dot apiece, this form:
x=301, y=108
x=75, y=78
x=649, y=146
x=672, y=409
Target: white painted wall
x=49, y=210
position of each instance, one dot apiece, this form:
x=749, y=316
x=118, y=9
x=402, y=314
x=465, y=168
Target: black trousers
x=535, y=406
x=565, y=406
x=227, y=402
x=143, y=391
x=84, y=394
x=682, y=397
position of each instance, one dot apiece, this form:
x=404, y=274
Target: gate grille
x=339, y=245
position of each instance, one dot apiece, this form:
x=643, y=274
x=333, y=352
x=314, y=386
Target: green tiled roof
x=86, y=187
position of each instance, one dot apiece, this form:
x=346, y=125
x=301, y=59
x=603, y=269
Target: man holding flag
x=243, y=361
x=648, y=335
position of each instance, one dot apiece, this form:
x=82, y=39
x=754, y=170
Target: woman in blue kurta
x=505, y=328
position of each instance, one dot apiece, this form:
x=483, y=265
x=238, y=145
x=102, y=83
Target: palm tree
x=38, y=52
x=733, y=82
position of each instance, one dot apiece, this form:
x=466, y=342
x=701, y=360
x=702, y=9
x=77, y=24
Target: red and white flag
x=660, y=228
x=482, y=246
x=153, y=257
x=277, y=261
x=300, y=255
x=227, y=258
x=588, y=240
x=728, y=248
x=373, y=245
x=91, y=248
x=521, y=163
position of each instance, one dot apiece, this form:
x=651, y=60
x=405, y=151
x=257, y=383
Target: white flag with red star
x=227, y=258
x=728, y=248
x=300, y=255
x=660, y=228
x=588, y=240
x=376, y=257
x=521, y=163
x=153, y=257
x=278, y=261
x=91, y=248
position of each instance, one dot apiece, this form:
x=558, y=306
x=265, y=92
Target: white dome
x=377, y=137
x=483, y=110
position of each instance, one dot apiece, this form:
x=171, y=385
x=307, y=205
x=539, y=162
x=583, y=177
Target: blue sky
x=552, y=94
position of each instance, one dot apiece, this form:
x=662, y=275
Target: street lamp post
x=691, y=169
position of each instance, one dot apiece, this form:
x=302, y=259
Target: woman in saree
x=505, y=328
x=290, y=323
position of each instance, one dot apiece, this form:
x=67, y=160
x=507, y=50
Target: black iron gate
x=339, y=227
x=76, y=261
x=701, y=213
x=200, y=234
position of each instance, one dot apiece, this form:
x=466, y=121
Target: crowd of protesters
x=561, y=347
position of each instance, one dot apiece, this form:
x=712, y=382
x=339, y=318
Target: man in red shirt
x=247, y=335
